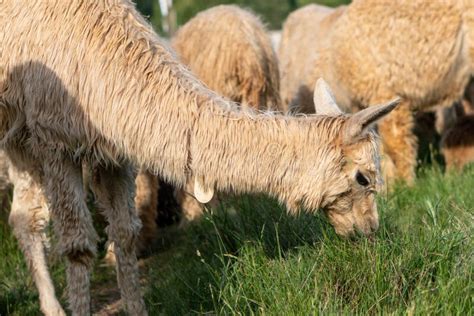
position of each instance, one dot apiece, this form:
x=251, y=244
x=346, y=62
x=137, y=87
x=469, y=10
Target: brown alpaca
x=229, y=49
x=110, y=93
x=446, y=117
x=379, y=49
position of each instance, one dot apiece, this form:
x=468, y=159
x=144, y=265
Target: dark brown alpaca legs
x=114, y=189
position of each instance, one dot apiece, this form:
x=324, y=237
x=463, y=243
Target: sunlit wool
x=377, y=50
x=89, y=81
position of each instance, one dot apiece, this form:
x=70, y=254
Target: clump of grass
x=257, y=259
x=250, y=257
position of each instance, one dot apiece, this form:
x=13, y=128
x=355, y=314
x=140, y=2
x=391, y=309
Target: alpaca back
x=394, y=48
x=229, y=49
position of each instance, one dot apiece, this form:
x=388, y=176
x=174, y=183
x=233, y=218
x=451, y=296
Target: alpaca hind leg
x=29, y=217
x=114, y=189
x=146, y=205
x=73, y=226
x=399, y=142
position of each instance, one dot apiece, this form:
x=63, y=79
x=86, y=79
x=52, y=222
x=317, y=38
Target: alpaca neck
x=241, y=152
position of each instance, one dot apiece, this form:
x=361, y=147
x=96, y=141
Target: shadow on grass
x=249, y=256
x=204, y=255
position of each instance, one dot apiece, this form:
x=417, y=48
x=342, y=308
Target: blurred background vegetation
x=273, y=12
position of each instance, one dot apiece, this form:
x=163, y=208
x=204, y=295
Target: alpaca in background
x=230, y=50
x=304, y=35
x=376, y=50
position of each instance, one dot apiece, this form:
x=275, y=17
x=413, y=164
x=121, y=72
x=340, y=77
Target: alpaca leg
x=73, y=225
x=399, y=142
x=114, y=190
x=146, y=204
x=192, y=210
x=28, y=217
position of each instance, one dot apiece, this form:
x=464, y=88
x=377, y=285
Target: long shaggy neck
x=240, y=152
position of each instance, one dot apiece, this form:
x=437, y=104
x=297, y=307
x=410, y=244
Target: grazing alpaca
x=146, y=205
x=109, y=93
x=229, y=49
x=380, y=49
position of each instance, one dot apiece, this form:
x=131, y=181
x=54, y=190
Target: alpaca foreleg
x=191, y=209
x=29, y=217
x=146, y=205
x=73, y=225
x=399, y=143
x=115, y=189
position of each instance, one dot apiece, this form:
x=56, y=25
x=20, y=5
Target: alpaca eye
x=361, y=179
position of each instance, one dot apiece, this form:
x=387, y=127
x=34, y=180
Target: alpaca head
x=355, y=178
x=329, y=161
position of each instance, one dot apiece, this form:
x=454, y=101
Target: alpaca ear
x=324, y=103
x=358, y=123
x=202, y=195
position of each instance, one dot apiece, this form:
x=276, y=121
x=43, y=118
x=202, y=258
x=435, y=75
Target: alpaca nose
x=374, y=225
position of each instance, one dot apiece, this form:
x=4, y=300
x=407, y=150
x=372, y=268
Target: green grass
x=250, y=257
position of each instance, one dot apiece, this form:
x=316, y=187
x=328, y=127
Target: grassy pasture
x=250, y=257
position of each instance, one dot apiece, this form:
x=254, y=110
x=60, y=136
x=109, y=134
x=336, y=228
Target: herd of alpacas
x=92, y=98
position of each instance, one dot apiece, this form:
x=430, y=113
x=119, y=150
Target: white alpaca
x=109, y=92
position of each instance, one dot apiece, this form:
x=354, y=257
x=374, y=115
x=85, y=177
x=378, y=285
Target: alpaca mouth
x=366, y=232
x=356, y=233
